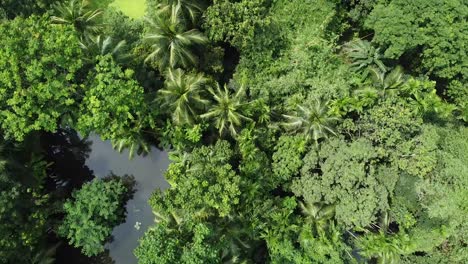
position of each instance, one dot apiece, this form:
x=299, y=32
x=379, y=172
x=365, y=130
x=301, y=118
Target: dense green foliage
x=24, y=213
x=93, y=212
x=34, y=95
x=300, y=131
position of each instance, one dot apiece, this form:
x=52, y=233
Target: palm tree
x=227, y=111
x=172, y=44
x=312, y=120
x=45, y=255
x=317, y=214
x=190, y=9
x=102, y=46
x=387, y=82
x=363, y=56
x=78, y=14
x=182, y=95
x=135, y=144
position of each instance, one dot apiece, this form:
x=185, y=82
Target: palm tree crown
x=78, y=14
x=227, y=111
x=182, y=95
x=363, y=55
x=172, y=44
x=387, y=82
x=189, y=9
x=102, y=46
x=312, y=120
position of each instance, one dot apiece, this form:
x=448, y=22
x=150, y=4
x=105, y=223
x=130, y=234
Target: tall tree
x=183, y=95
x=227, y=111
x=93, y=212
x=188, y=9
x=171, y=42
x=79, y=14
x=35, y=95
x=312, y=119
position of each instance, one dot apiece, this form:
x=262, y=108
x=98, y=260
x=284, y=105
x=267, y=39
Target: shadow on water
x=75, y=161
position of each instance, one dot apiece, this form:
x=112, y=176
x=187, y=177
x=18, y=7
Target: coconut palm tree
x=363, y=56
x=312, y=119
x=135, y=144
x=317, y=214
x=102, y=46
x=78, y=14
x=189, y=9
x=387, y=82
x=182, y=95
x=227, y=111
x=172, y=44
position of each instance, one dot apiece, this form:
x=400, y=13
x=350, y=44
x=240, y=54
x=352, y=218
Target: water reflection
x=148, y=172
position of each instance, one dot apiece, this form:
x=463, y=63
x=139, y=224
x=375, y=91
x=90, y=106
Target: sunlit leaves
x=34, y=95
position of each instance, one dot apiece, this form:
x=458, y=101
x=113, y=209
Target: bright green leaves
x=236, y=21
x=93, y=212
x=227, y=112
x=171, y=42
x=34, y=95
x=186, y=245
x=434, y=29
x=287, y=159
x=114, y=106
x=206, y=180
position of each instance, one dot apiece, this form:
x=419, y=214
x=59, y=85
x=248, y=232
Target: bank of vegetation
x=300, y=131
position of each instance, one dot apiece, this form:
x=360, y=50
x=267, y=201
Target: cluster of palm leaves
x=312, y=119
x=189, y=9
x=182, y=95
x=190, y=98
x=227, y=111
x=364, y=56
x=171, y=41
x=100, y=45
x=80, y=15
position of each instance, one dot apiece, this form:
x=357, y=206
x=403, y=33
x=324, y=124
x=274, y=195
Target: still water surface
x=148, y=172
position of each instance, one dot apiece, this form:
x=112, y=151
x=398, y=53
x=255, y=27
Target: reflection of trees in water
x=70, y=255
x=66, y=154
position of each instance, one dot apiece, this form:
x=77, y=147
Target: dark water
x=148, y=172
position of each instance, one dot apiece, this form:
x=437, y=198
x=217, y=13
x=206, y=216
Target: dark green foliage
x=25, y=8
x=287, y=159
x=23, y=216
x=93, y=212
x=433, y=31
x=346, y=175
x=306, y=131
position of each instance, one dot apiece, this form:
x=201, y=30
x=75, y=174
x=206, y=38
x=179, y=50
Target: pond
x=148, y=172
